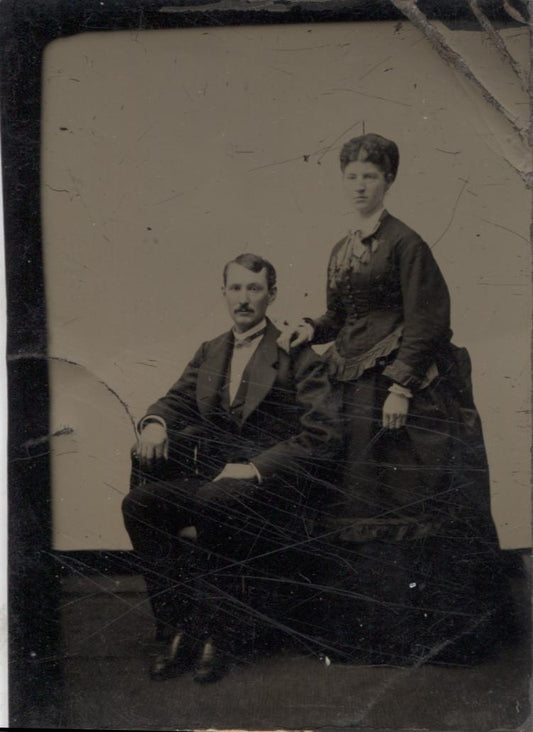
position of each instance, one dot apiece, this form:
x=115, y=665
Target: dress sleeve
x=426, y=305
x=327, y=326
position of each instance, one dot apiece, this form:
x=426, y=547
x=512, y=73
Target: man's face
x=247, y=296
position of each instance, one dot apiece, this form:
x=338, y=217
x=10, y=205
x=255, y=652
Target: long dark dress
x=411, y=506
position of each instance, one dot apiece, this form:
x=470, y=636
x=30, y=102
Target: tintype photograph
x=269, y=312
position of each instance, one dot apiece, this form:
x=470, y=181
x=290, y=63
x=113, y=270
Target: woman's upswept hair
x=375, y=149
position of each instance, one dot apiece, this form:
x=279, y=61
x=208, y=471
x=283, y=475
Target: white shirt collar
x=250, y=332
x=368, y=225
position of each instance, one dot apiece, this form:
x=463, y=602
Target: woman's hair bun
x=371, y=148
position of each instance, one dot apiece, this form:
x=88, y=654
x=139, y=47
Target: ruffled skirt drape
x=413, y=565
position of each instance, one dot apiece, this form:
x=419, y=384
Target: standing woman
x=411, y=505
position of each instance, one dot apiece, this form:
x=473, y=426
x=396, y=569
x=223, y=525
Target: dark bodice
x=395, y=302
x=372, y=286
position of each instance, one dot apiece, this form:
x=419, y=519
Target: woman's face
x=365, y=185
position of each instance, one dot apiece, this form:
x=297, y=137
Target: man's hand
x=152, y=444
x=239, y=471
x=294, y=335
x=395, y=411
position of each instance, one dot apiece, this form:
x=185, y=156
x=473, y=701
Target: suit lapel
x=261, y=370
x=213, y=372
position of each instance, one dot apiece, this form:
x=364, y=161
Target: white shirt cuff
x=401, y=390
x=151, y=418
x=257, y=473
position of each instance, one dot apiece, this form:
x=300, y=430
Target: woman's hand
x=395, y=411
x=294, y=335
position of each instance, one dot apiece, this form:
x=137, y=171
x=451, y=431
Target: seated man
x=243, y=431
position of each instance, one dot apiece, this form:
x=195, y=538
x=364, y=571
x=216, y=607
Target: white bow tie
x=247, y=342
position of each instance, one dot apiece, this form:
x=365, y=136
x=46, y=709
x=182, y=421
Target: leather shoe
x=212, y=665
x=178, y=658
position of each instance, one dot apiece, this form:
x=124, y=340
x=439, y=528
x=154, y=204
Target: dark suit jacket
x=288, y=424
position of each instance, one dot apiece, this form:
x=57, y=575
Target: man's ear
x=272, y=294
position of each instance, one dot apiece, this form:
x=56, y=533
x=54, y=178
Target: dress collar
x=367, y=226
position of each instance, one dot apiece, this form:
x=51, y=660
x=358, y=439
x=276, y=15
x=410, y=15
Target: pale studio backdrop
x=166, y=153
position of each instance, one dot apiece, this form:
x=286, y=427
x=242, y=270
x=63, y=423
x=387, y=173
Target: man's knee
x=141, y=502
x=130, y=504
x=135, y=517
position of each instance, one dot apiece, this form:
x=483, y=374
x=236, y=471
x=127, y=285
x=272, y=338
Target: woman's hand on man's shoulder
x=295, y=334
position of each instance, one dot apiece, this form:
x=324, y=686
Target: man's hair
x=371, y=148
x=255, y=264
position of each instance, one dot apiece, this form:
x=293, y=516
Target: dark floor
x=108, y=643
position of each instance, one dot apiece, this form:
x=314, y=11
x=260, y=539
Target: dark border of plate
x=26, y=27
